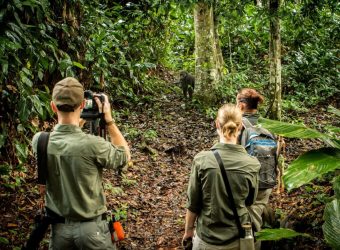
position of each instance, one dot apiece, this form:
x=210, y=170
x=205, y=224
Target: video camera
x=95, y=118
x=91, y=110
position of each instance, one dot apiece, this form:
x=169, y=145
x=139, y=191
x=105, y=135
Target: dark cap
x=68, y=92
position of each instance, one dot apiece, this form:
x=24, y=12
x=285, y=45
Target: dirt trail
x=156, y=202
x=151, y=196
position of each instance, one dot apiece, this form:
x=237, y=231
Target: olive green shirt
x=207, y=196
x=74, y=174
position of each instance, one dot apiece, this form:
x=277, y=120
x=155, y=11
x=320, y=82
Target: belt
x=55, y=218
x=103, y=217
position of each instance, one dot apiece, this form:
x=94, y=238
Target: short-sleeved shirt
x=207, y=196
x=74, y=174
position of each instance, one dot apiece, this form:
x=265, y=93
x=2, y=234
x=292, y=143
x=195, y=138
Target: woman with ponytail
x=248, y=101
x=210, y=219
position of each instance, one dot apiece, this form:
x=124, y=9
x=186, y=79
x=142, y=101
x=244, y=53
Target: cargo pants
x=91, y=235
x=256, y=210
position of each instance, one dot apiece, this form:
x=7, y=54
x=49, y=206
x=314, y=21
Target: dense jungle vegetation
x=134, y=51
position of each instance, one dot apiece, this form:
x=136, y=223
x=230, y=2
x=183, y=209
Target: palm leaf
x=331, y=227
x=290, y=130
x=336, y=187
x=277, y=234
x=311, y=165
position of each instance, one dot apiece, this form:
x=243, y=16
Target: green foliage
x=131, y=133
x=333, y=110
x=278, y=234
x=128, y=182
x=180, y=52
x=331, y=227
x=309, y=55
x=5, y=169
x=336, y=187
x=4, y=241
x=106, y=45
x=113, y=190
x=210, y=113
x=150, y=135
x=290, y=130
x=121, y=212
x=313, y=164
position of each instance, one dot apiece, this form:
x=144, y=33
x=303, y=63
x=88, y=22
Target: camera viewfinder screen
x=88, y=104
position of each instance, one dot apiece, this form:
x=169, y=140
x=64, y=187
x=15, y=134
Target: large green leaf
x=336, y=187
x=310, y=165
x=335, y=143
x=290, y=130
x=37, y=105
x=277, y=234
x=331, y=227
x=21, y=151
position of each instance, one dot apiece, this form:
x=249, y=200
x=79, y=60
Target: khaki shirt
x=207, y=196
x=75, y=166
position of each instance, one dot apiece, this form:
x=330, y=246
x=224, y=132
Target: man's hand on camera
x=104, y=107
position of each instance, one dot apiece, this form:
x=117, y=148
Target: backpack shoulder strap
x=42, y=157
x=243, y=138
x=229, y=192
x=246, y=123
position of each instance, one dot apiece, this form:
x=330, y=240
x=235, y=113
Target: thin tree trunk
x=219, y=55
x=275, y=60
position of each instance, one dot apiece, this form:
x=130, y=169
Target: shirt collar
x=67, y=128
x=226, y=146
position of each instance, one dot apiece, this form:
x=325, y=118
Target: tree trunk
x=208, y=61
x=275, y=60
x=219, y=55
x=258, y=3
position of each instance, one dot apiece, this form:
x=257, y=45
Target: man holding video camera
x=75, y=163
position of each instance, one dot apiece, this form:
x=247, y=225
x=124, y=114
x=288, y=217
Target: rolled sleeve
x=194, y=193
x=111, y=156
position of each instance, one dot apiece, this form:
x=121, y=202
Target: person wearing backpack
x=75, y=164
x=262, y=144
x=215, y=212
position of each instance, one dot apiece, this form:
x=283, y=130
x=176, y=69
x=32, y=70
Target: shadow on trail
x=169, y=135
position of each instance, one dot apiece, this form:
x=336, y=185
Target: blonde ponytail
x=229, y=118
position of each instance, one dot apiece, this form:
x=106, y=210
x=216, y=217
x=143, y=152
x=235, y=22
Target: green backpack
x=262, y=144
